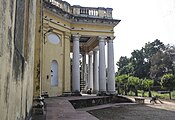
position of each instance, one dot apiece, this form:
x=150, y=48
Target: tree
x=170, y=50
x=121, y=82
x=133, y=83
x=124, y=66
x=140, y=67
x=146, y=85
x=140, y=59
x=151, y=48
x=161, y=63
x=168, y=82
x=151, y=61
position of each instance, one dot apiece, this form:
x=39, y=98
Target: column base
x=109, y=93
x=95, y=91
x=77, y=93
x=68, y=94
x=101, y=93
x=112, y=92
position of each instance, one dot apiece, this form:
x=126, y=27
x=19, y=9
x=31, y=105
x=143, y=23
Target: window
x=53, y=38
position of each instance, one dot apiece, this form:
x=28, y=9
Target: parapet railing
x=98, y=12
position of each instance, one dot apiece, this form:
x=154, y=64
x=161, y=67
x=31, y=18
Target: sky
x=142, y=21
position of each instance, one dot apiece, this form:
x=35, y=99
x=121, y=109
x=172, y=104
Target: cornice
x=80, y=19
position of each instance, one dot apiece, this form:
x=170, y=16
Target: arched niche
x=54, y=73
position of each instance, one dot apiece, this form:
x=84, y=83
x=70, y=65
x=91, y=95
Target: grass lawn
x=154, y=93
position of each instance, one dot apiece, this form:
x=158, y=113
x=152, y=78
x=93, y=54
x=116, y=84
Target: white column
x=84, y=71
x=76, y=64
x=111, y=70
x=90, y=71
x=95, y=75
x=102, y=66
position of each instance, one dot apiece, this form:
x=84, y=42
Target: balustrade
x=82, y=11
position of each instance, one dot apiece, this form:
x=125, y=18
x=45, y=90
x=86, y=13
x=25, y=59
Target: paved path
x=147, y=111
x=166, y=104
x=60, y=108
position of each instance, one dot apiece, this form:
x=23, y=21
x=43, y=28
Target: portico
x=75, y=38
x=97, y=68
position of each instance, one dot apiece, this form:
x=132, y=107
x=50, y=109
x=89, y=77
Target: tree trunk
x=143, y=93
x=125, y=91
x=170, y=95
x=149, y=93
x=119, y=89
x=136, y=92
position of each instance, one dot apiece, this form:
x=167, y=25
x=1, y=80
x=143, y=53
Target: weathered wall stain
x=6, y=88
x=16, y=72
x=38, y=77
x=18, y=64
x=19, y=25
x=10, y=41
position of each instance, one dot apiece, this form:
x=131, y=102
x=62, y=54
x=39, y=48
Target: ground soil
x=134, y=112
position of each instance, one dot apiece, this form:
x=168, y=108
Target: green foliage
x=125, y=83
x=161, y=63
x=152, y=48
x=133, y=84
x=133, y=81
x=139, y=64
x=154, y=93
x=146, y=84
x=121, y=83
x=125, y=67
x=152, y=61
x=122, y=79
x=168, y=81
x=123, y=61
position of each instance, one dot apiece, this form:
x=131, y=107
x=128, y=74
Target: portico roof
x=89, y=22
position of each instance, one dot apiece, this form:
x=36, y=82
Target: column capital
x=110, y=39
x=76, y=37
x=90, y=53
x=96, y=49
x=102, y=38
x=83, y=53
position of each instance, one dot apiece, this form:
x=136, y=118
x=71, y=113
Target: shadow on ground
x=133, y=112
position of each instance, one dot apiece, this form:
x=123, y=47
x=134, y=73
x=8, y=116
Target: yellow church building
x=70, y=57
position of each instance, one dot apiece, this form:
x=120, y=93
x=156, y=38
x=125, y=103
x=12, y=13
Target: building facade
x=72, y=51
x=51, y=46
x=17, y=44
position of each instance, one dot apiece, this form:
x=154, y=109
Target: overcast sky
x=141, y=21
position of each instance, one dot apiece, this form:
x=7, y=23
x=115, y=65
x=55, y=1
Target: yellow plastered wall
x=53, y=52
x=67, y=79
x=61, y=52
